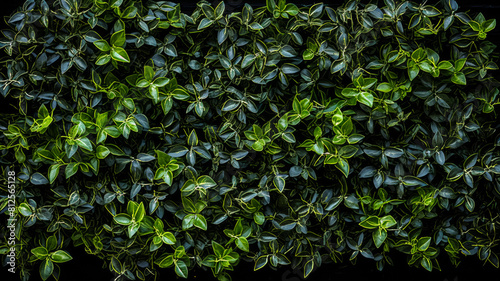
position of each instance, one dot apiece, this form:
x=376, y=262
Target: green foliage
x=277, y=135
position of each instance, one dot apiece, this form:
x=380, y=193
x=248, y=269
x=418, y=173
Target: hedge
x=278, y=135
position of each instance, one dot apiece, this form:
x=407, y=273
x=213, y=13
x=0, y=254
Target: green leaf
x=261, y=261
x=84, y=143
x=337, y=117
x=116, y=265
x=188, y=221
x=53, y=172
x=446, y=65
x=192, y=138
x=365, y=98
x=414, y=21
x=25, y=210
x=128, y=103
x=348, y=151
x=475, y=25
x=291, y=9
x=459, y=78
x=163, y=158
x=118, y=38
x=431, y=11
x=256, y=26
x=258, y=145
x=60, y=256
x=413, y=72
x=218, y=249
x=489, y=25
x=308, y=54
x=51, y=243
x=103, y=59
x=165, y=261
x=355, y=138
x=139, y=213
x=379, y=236
x=343, y=166
x=423, y=243
x=308, y=268
x=123, y=219
x=38, y=179
x=71, y=169
x=102, y=152
x=248, y=60
x=219, y=10
x=204, y=23
x=181, y=269
x=168, y=238
x=318, y=133
x=132, y=229
x=279, y=183
x=115, y=3
x=46, y=269
x=200, y=222
x=225, y=62
x=289, y=68
x=206, y=182
x=350, y=92
x=259, y=218
x=130, y=12
x=40, y=252
x=288, y=51
x=316, y=10
x=426, y=263
x=460, y=63
x=384, y=87
x=448, y=21
x=387, y=221
x=119, y=54
x=413, y=181
x=270, y=5
x=371, y=222
x=102, y=45
x=242, y=243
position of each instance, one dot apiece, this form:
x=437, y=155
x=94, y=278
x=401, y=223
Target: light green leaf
x=200, y=222
x=165, y=261
x=46, y=269
x=379, y=236
x=118, y=38
x=343, y=166
x=25, y=210
x=71, y=169
x=387, y=221
x=84, y=143
x=204, y=23
x=119, y=54
x=102, y=45
x=242, y=243
x=459, y=78
x=384, y=87
x=423, y=243
x=60, y=256
x=40, y=252
x=123, y=219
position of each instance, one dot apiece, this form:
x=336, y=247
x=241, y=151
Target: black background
x=87, y=267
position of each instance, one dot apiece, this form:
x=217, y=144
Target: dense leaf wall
x=279, y=135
